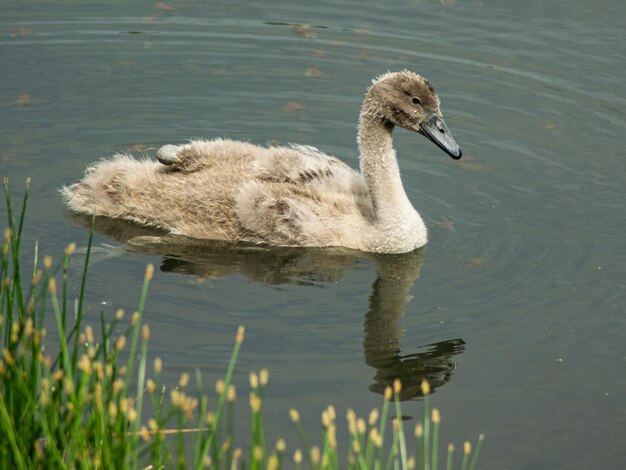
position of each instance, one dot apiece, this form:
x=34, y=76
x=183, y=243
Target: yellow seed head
x=231, y=394
x=297, y=456
x=184, y=380
x=37, y=277
x=189, y=405
x=326, y=421
x=436, y=417
x=411, y=463
x=255, y=403
x=158, y=365
x=240, y=334
x=176, y=397
x=145, y=332
x=294, y=415
x=257, y=453
x=28, y=328
x=397, y=386
x=272, y=463
x=149, y=272
x=281, y=445
x=118, y=385
x=351, y=418
x=52, y=286
x=425, y=387
x=134, y=318
x=331, y=436
x=70, y=249
x=376, y=438
x=47, y=263
x=226, y=444
x=91, y=352
x=45, y=389
x=356, y=447
x=89, y=334
x=150, y=386
x=98, y=396
x=361, y=426
x=254, y=380
x=388, y=393
x=419, y=430
x=132, y=415
x=38, y=445
x=373, y=417
x=316, y=455
x=112, y=410
x=68, y=386
x=84, y=364
x=152, y=424
x=450, y=448
x=120, y=343
x=264, y=377
x=119, y=314
x=15, y=331
x=219, y=386
x=144, y=433
x=210, y=419
x=467, y=448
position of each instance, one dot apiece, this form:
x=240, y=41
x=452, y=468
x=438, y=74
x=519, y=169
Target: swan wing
x=307, y=166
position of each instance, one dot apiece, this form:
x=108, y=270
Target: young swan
x=288, y=196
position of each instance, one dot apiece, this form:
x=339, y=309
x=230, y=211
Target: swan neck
x=380, y=170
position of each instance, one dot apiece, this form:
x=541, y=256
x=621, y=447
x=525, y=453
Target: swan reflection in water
x=389, y=296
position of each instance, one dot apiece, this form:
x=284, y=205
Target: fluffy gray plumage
x=288, y=196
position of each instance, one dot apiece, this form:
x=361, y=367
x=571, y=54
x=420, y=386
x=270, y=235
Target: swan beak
x=436, y=130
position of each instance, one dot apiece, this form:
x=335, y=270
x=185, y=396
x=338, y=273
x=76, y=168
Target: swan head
x=408, y=100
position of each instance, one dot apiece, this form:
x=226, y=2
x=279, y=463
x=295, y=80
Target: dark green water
x=515, y=309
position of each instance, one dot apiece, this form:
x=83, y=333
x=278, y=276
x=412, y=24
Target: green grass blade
x=11, y=433
x=220, y=402
x=137, y=325
x=81, y=295
x=479, y=445
x=450, y=456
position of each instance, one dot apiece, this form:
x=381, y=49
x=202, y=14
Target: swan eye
x=416, y=100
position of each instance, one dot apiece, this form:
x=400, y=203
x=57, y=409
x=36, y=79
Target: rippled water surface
x=514, y=310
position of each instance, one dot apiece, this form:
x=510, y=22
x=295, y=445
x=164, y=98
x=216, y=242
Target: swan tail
x=105, y=186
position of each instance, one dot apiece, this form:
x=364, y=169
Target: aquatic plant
x=91, y=405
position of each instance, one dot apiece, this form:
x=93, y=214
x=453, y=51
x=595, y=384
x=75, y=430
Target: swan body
x=288, y=196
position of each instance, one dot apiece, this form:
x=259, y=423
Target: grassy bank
x=98, y=403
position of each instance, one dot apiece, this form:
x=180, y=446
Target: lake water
x=515, y=310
